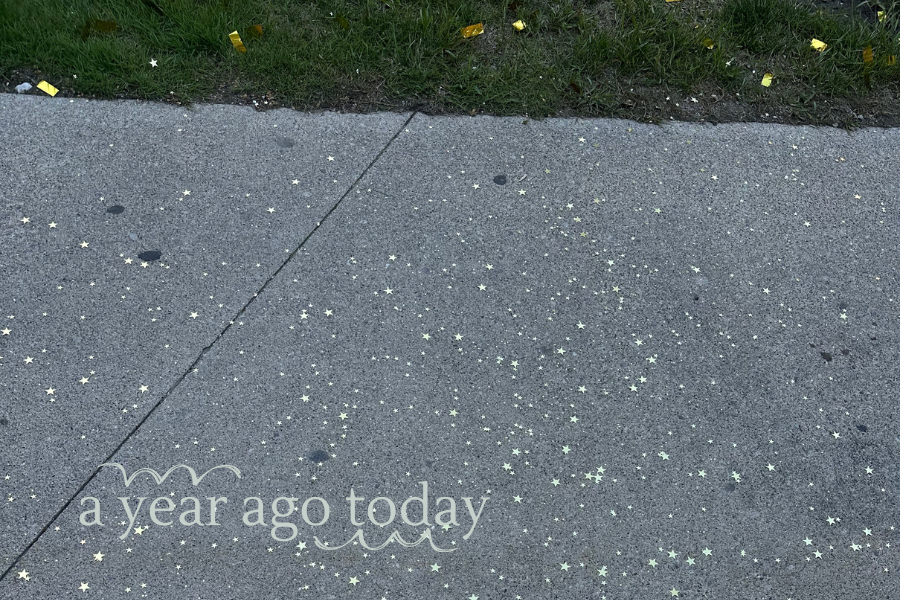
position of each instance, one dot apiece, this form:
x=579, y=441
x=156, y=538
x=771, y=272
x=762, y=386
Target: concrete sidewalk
x=627, y=361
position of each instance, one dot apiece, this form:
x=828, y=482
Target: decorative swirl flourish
x=394, y=537
x=160, y=478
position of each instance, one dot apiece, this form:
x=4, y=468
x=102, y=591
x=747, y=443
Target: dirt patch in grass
x=643, y=104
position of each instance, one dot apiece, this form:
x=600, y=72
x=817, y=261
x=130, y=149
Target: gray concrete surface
x=665, y=356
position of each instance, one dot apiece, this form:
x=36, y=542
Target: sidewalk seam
x=205, y=350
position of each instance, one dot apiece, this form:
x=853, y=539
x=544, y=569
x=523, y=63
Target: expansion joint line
x=203, y=352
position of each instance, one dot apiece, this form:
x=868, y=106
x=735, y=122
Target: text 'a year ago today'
x=314, y=511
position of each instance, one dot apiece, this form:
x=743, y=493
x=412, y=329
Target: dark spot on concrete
x=500, y=179
x=845, y=352
x=729, y=487
x=696, y=298
x=812, y=345
x=862, y=428
x=150, y=255
x=318, y=456
x=285, y=142
x=843, y=305
x=116, y=209
x=826, y=356
x=4, y=421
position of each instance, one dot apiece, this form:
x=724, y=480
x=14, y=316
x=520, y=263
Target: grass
x=644, y=59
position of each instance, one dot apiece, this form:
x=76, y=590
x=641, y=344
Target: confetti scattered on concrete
x=660, y=360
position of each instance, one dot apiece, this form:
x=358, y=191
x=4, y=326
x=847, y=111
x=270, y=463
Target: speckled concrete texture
x=93, y=335
x=642, y=362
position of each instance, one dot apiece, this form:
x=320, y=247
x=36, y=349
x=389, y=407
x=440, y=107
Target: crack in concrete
x=205, y=350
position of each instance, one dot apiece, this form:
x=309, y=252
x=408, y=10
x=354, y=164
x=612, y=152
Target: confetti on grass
x=236, y=40
x=46, y=87
x=472, y=30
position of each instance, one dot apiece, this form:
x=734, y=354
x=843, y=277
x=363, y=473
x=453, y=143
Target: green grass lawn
x=645, y=59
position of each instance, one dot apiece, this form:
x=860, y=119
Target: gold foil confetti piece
x=818, y=44
x=519, y=25
x=472, y=30
x=236, y=40
x=868, y=55
x=767, y=80
x=46, y=87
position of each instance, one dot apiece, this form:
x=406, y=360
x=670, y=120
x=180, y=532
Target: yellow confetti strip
x=472, y=30
x=236, y=40
x=767, y=79
x=881, y=16
x=46, y=87
x=519, y=25
x=867, y=54
x=818, y=44
x=709, y=43
x=891, y=59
